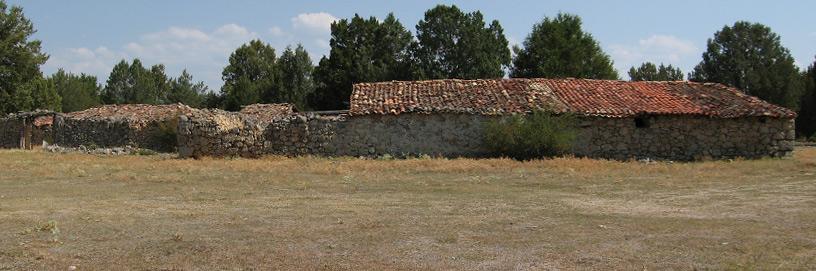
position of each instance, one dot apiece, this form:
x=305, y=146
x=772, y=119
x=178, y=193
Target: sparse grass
x=157, y=213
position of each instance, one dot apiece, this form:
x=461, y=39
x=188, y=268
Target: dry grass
x=158, y=213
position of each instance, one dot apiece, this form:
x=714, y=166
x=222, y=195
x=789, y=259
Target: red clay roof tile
x=608, y=98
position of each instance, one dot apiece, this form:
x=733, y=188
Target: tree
x=454, y=44
x=295, y=78
x=362, y=50
x=21, y=60
x=750, y=57
x=649, y=72
x=559, y=48
x=134, y=84
x=78, y=92
x=37, y=93
x=213, y=100
x=806, y=121
x=183, y=90
x=250, y=76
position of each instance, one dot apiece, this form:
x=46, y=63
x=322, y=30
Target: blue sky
x=90, y=36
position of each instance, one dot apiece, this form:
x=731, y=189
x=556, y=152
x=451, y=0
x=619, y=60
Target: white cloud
x=657, y=49
x=84, y=60
x=203, y=53
x=319, y=21
x=276, y=31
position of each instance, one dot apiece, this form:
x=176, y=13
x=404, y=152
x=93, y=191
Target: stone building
x=619, y=120
x=26, y=130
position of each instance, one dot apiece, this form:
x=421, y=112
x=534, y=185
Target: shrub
x=166, y=135
x=536, y=135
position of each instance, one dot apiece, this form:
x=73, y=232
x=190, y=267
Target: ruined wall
x=10, y=132
x=159, y=135
x=35, y=126
x=142, y=126
x=219, y=133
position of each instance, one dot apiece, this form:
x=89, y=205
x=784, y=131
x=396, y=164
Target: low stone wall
x=70, y=132
x=10, y=132
x=219, y=133
x=142, y=126
x=159, y=135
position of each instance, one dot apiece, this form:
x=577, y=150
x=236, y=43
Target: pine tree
x=750, y=57
x=21, y=59
x=251, y=76
x=454, y=44
x=184, y=90
x=135, y=84
x=559, y=48
x=78, y=92
x=362, y=50
x=649, y=72
x=295, y=78
x=806, y=121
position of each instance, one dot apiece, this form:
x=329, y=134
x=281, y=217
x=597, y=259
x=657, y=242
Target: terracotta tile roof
x=268, y=111
x=47, y=120
x=608, y=98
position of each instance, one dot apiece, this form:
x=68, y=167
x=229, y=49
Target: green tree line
x=449, y=43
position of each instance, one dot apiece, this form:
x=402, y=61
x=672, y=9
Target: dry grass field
x=59, y=211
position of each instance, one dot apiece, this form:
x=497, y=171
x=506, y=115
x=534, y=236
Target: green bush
x=536, y=135
x=165, y=135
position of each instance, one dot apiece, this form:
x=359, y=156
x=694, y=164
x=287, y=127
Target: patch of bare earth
x=159, y=213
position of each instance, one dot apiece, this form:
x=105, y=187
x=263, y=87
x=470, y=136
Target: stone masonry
x=219, y=133
x=143, y=126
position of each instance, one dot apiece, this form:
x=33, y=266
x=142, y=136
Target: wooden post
x=29, y=133
x=22, y=134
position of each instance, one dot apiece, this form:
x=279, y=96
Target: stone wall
x=159, y=135
x=684, y=137
x=142, y=126
x=221, y=133
x=35, y=127
x=449, y=135
x=10, y=132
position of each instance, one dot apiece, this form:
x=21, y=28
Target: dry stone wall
x=219, y=133
x=685, y=137
x=34, y=127
x=198, y=133
x=445, y=134
x=10, y=128
x=142, y=126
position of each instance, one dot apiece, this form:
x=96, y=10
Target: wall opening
x=642, y=122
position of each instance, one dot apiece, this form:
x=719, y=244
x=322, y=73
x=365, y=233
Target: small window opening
x=642, y=122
